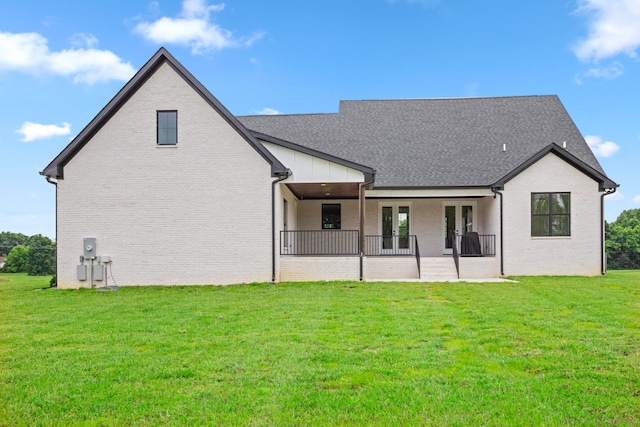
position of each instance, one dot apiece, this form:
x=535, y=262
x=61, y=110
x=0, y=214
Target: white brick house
x=165, y=186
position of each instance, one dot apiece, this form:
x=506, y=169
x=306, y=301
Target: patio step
x=438, y=268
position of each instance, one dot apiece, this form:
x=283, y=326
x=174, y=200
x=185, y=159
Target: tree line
x=622, y=240
x=34, y=255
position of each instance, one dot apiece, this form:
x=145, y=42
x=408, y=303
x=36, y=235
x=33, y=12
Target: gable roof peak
x=55, y=169
x=562, y=152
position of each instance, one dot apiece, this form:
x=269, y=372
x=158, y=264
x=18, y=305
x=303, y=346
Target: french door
x=458, y=218
x=395, y=227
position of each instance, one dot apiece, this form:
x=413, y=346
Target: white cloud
x=31, y=131
x=193, y=28
x=614, y=197
x=199, y=8
x=266, y=111
x=90, y=65
x=84, y=40
x=608, y=73
x=636, y=199
x=601, y=148
x=154, y=6
x=29, y=53
x=613, y=29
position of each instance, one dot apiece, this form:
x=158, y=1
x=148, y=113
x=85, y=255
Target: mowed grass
x=543, y=351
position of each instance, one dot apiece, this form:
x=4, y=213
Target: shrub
x=17, y=259
x=42, y=256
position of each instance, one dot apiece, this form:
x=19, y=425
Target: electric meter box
x=82, y=272
x=98, y=273
x=89, y=247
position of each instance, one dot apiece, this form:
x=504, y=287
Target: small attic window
x=167, y=127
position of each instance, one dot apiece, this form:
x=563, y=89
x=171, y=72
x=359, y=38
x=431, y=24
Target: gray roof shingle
x=434, y=142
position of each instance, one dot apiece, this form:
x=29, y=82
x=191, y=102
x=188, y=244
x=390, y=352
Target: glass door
x=285, y=224
x=387, y=229
x=450, y=227
x=395, y=227
x=458, y=219
x=402, y=227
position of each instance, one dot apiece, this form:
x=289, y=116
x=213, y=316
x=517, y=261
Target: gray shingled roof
x=434, y=142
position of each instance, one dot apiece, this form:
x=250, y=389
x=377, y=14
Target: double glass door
x=459, y=218
x=395, y=227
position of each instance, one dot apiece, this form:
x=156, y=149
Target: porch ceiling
x=328, y=190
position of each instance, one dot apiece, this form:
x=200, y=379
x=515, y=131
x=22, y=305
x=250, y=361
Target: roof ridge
x=454, y=98
x=287, y=115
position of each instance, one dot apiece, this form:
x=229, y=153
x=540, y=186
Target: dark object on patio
x=470, y=245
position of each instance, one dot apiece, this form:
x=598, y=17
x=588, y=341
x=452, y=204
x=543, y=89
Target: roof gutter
x=496, y=192
x=51, y=181
x=285, y=175
x=603, y=253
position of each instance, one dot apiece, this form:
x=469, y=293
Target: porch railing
x=473, y=244
x=319, y=242
x=390, y=245
x=345, y=242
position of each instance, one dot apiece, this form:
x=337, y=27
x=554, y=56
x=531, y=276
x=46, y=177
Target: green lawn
x=544, y=351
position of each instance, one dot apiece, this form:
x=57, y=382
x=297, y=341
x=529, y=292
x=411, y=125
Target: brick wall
x=479, y=267
x=391, y=267
x=304, y=269
x=195, y=213
x=578, y=254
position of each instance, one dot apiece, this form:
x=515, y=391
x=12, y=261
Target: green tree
x=17, y=259
x=42, y=256
x=623, y=241
x=8, y=240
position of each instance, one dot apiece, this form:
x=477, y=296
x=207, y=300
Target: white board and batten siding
x=306, y=168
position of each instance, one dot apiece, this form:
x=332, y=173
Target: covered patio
x=334, y=225
x=340, y=232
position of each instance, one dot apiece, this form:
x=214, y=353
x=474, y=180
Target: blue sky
x=62, y=61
